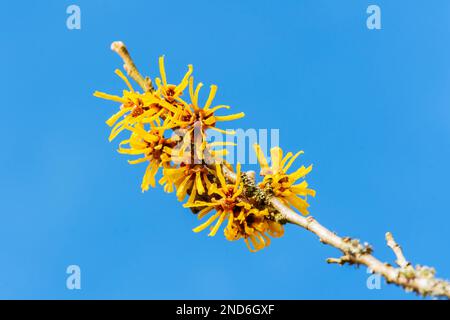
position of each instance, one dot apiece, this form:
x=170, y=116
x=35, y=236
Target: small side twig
x=401, y=261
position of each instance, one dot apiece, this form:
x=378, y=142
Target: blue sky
x=370, y=108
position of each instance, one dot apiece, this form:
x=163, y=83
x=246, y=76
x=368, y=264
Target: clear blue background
x=370, y=109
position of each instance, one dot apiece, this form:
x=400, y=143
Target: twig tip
x=117, y=45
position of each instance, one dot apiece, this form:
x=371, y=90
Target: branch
x=130, y=67
x=420, y=279
x=401, y=261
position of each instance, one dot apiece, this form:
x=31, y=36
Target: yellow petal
x=276, y=154
x=116, y=116
x=133, y=151
x=240, y=189
x=140, y=160
x=300, y=173
x=106, y=96
x=230, y=117
x=206, y=180
x=230, y=220
x=207, y=223
x=261, y=158
x=197, y=204
x=286, y=168
x=197, y=90
x=198, y=182
x=149, y=137
x=285, y=159
x=256, y=244
x=125, y=79
x=183, y=84
x=266, y=238
x=191, y=89
x=214, y=109
x=238, y=176
x=223, y=131
x=181, y=191
x=222, y=152
x=298, y=203
x=220, y=175
x=193, y=194
x=204, y=212
x=248, y=246
x=215, y=190
x=209, y=121
x=217, y=225
x=149, y=177
x=212, y=94
x=162, y=70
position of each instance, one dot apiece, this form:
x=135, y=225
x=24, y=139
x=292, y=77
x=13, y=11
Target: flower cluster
x=148, y=116
x=167, y=129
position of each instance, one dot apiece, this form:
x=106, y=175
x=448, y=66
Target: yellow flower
x=155, y=149
x=205, y=117
x=135, y=107
x=188, y=178
x=252, y=225
x=170, y=92
x=282, y=184
x=244, y=221
x=193, y=121
x=223, y=199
